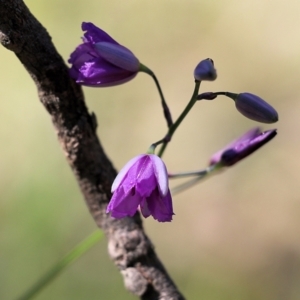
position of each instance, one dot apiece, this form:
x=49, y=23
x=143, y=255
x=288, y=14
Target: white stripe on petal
x=161, y=174
x=124, y=171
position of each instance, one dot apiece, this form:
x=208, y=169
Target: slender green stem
x=199, y=173
x=227, y=94
x=151, y=149
x=180, y=119
x=182, y=187
x=73, y=255
x=220, y=93
x=166, y=109
x=204, y=174
x=188, y=174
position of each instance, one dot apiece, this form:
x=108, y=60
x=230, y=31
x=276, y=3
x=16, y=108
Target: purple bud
x=100, y=61
x=205, y=70
x=255, y=108
x=242, y=147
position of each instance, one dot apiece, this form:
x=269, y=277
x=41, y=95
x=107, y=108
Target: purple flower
x=143, y=182
x=100, y=61
x=242, y=147
x=205, y=70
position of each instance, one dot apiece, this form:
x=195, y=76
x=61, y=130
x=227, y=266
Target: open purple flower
x=100, y=61
x=143, y=182
x=242, y=147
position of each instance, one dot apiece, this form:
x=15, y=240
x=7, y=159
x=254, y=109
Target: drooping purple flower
x=143, y=182
x=205, y=70
x=100, y=61
x=242, y=147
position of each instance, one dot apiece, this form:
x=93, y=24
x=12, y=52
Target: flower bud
x=205, y=70
x=242, y=147
x=240, y=151
x=255, y=108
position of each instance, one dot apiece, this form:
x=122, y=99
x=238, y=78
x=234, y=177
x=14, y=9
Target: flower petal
x=118, y=56
x=160, y=207
x=161, y=174
x=101, y=73
x=83, y=53
x=122, y=174
x=143, y=175
x=94, y=34
x=144, y=209
x=123, y=204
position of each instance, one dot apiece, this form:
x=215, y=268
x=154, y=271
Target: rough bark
x=128, y=245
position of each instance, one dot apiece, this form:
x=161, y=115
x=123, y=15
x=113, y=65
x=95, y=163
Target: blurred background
x=234, y=236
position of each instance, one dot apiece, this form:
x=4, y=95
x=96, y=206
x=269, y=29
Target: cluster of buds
x=143, y=183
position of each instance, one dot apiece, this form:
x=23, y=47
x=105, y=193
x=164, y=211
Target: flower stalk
x=173, y=128
x=166, y=110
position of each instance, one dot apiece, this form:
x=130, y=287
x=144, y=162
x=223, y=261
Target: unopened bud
x=244, y=148
x=205, y=70
x=254, y=108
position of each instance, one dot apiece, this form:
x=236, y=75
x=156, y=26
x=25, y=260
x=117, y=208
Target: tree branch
x=129, y=247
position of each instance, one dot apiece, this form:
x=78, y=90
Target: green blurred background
x=235, y=236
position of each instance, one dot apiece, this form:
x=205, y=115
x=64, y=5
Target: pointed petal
x=83, y=53
x=122, y=204
x=168, y=202
x=144, y=209
x=146, y=180
x=161, y=174
x=122, y=174
x=100, y=73
x=94, y=34
x=160, y=207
